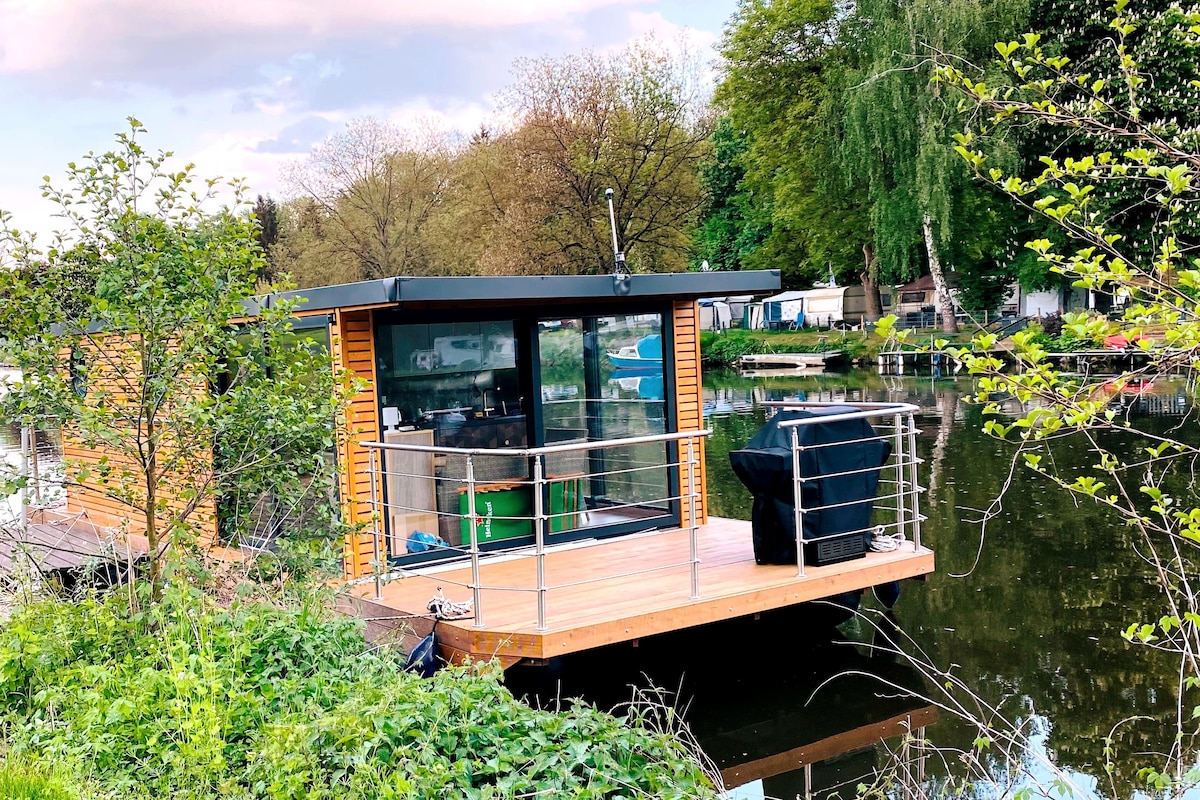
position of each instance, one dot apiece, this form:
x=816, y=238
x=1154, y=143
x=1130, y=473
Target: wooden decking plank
x=623, y=607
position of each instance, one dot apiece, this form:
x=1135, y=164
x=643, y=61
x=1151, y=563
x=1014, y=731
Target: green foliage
x=848, y=159
x=726, y=236
x=137, y=356
x=262, y=700
x=781, y=81
x=898, y=125
x=725, y=349
x=1123, y=199
x=31, y=781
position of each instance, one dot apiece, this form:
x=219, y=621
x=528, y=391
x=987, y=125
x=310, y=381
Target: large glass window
x=497, y=384
x=464, y=370
x=602, y=379
x=450, y=384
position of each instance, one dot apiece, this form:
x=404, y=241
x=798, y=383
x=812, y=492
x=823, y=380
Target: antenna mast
x=619, y=267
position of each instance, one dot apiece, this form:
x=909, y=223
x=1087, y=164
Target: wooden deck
x=56, y=541
x=605, y=610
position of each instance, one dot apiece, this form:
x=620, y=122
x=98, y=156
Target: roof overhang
x=481, y=291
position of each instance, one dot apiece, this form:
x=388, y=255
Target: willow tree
x=781, y=73
x=898, y=126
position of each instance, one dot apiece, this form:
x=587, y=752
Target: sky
x=242, y=87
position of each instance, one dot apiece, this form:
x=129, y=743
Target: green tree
x=637, y=122
x=376, y=186
x=308, y=250
x=898, y=127
x=266, y=213
x=725, y=236
x=145, y=370
x=1143, y=477
x=782, y=72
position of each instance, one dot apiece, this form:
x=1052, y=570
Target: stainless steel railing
x=646, y=485
x=898, y=500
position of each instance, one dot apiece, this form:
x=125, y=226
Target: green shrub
x=726, y=348
x=23, y=781
x=287, y=702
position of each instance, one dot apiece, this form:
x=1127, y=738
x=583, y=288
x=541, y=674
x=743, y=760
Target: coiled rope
x=443, y=607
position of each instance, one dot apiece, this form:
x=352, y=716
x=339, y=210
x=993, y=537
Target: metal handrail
x=897, y=425
x=547, y=449
x=540, y=518
x=903, y=436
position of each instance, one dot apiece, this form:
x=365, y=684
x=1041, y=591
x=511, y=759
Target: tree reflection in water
x=1029, y=608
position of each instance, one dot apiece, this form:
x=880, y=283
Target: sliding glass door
x=602, y=378
x=508, y=384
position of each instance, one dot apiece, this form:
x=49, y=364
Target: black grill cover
x=764, y=466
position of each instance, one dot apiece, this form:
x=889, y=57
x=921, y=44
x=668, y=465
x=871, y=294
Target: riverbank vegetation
x=725, y=348
x=1123, y=114
x=277, y=698
x=196, y=679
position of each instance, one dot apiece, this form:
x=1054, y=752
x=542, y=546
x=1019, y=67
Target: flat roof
x=486, y=290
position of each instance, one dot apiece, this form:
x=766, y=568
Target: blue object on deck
x=421, y=542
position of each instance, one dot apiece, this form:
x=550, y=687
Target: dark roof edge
x=490, y=289
x=583, y=287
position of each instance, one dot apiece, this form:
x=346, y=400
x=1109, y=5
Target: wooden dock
x=66, y=544
x=776, y=361
x=586, y=610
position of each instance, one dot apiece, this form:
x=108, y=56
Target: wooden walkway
x=794, y=361
x=586, y=609
x=64, y=541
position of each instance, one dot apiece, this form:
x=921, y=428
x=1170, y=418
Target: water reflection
x=779, y=711
x=1029, y=607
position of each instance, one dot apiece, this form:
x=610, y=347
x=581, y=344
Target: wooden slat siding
x=87, y=495
x=357, y=349
x=688, y=398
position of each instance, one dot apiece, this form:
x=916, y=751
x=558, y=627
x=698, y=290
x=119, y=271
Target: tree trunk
x=945, y=305
x=870, y=285
x=154, y=571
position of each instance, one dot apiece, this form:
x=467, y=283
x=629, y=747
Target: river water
x=1028, y=613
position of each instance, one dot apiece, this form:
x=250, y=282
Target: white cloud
x=45, y=35
x=643, y=23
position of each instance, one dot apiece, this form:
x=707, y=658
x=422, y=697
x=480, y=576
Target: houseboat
x=501, y=463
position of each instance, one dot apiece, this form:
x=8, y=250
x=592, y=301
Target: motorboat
x=646, y=354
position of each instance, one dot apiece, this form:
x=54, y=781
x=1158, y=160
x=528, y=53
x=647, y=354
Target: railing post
x=912, y=479
x=901, y=492
x=474, y=528
x=693, y=525
x=798, y=497
x=373, y=469
x=539, y=534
